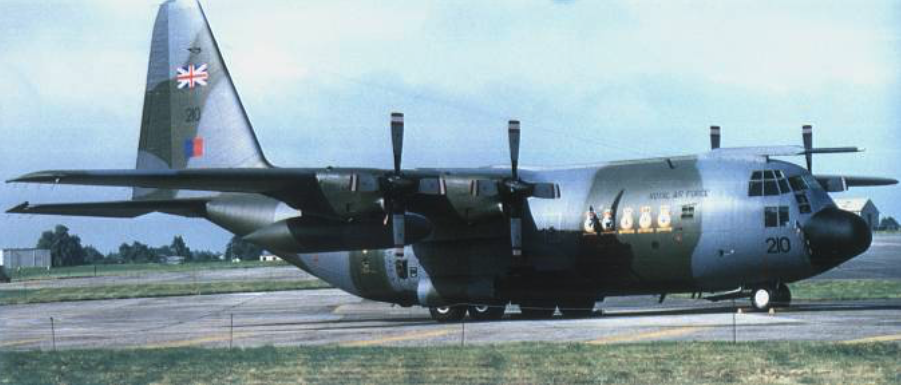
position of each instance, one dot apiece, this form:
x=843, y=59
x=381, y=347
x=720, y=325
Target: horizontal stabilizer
x=192, y=207
x=251, y=180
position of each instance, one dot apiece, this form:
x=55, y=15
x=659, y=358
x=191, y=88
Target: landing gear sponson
x=534, y=309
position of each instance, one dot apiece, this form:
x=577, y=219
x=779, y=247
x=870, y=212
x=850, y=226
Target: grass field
x=652, y=363
x=57, y=294
x=131, y=269
x=846, y=289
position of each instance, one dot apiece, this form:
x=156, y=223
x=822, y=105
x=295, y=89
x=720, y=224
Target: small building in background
x=12, y=259
x=269, y=258
x=863, y=207
x=172, y=259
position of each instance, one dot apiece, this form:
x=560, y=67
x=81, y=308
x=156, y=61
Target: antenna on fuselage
x=807, y=135
x=714, y=137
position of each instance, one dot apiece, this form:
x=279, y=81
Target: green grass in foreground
x=846, y=289
x=652, y=363
x=131, y=269
x=57, y=294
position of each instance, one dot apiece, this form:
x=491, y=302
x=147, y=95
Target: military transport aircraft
x=732, y=221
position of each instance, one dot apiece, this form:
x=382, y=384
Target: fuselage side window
x=688, y=211
x=776, y=216
x=770, y=216
x=783, y=216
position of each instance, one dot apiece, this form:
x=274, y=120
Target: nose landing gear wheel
x=782, y=296
x=762, y=299
x=487, y=312
x=447, y=313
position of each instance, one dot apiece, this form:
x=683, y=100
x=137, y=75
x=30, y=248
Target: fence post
x=231, y=330
x=734, y=332
x=53, y=333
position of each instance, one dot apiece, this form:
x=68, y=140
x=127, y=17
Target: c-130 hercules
x=731, y=221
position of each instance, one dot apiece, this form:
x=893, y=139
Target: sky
x=590, y=81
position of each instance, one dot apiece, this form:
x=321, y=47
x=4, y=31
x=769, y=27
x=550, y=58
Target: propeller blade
x=714, y=137
x=397, y=138
x=513, y=134
x=807, y=134
x=398, y=227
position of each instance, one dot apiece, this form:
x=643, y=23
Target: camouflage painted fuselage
x=680, y=224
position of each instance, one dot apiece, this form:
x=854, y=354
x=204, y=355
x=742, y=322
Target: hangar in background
x=863, y=207
x=18, y=258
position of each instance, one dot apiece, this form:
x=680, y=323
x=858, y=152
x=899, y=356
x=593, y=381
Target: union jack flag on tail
x=190, y=75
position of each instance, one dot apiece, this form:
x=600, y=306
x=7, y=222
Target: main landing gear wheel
x=537, y=309
x=579, y=308
x=782, y=296
x=487, y=312
x=447, y=313
x=762, y=298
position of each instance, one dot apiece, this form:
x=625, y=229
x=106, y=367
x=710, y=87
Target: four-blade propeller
x=396, y=186
x=516, y=191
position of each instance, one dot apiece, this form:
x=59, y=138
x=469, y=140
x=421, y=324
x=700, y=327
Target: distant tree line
x=66, y=250
x=889, y=224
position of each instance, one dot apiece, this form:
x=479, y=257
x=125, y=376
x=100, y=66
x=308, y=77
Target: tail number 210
x=776, y=245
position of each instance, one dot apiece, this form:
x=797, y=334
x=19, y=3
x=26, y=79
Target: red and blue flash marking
x=194, y=147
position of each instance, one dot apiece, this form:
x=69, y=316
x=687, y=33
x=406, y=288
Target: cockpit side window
x=797, y=183
x=812, y=182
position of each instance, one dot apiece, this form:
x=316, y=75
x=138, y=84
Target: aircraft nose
x=835, y=236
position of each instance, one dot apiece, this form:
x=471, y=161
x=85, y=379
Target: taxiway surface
x=333, y=317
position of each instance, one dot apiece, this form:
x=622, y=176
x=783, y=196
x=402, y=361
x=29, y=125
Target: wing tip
x=21, y=208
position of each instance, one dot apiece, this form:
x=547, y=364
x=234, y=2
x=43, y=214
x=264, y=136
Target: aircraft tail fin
x=193, y=117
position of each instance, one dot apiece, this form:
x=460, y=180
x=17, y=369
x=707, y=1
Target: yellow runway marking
x=196, y=341
x=21, y=342
x=402, y=337
x=885, y=338
x=672, y=332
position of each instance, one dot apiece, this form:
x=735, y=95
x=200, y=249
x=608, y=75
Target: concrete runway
x=330, y=316
x=334, y=317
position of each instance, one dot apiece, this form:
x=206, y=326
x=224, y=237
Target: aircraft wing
x=320, y=191
x=189, y=207
x=838, y=183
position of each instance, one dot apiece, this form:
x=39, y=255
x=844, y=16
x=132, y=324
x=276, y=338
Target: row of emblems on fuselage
x=606, y=224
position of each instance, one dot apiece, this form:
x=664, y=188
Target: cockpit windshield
x=768, y=183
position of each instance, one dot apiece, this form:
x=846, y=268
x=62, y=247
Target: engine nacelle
x=472, y=199
x=314, y=235
x=351, y=194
